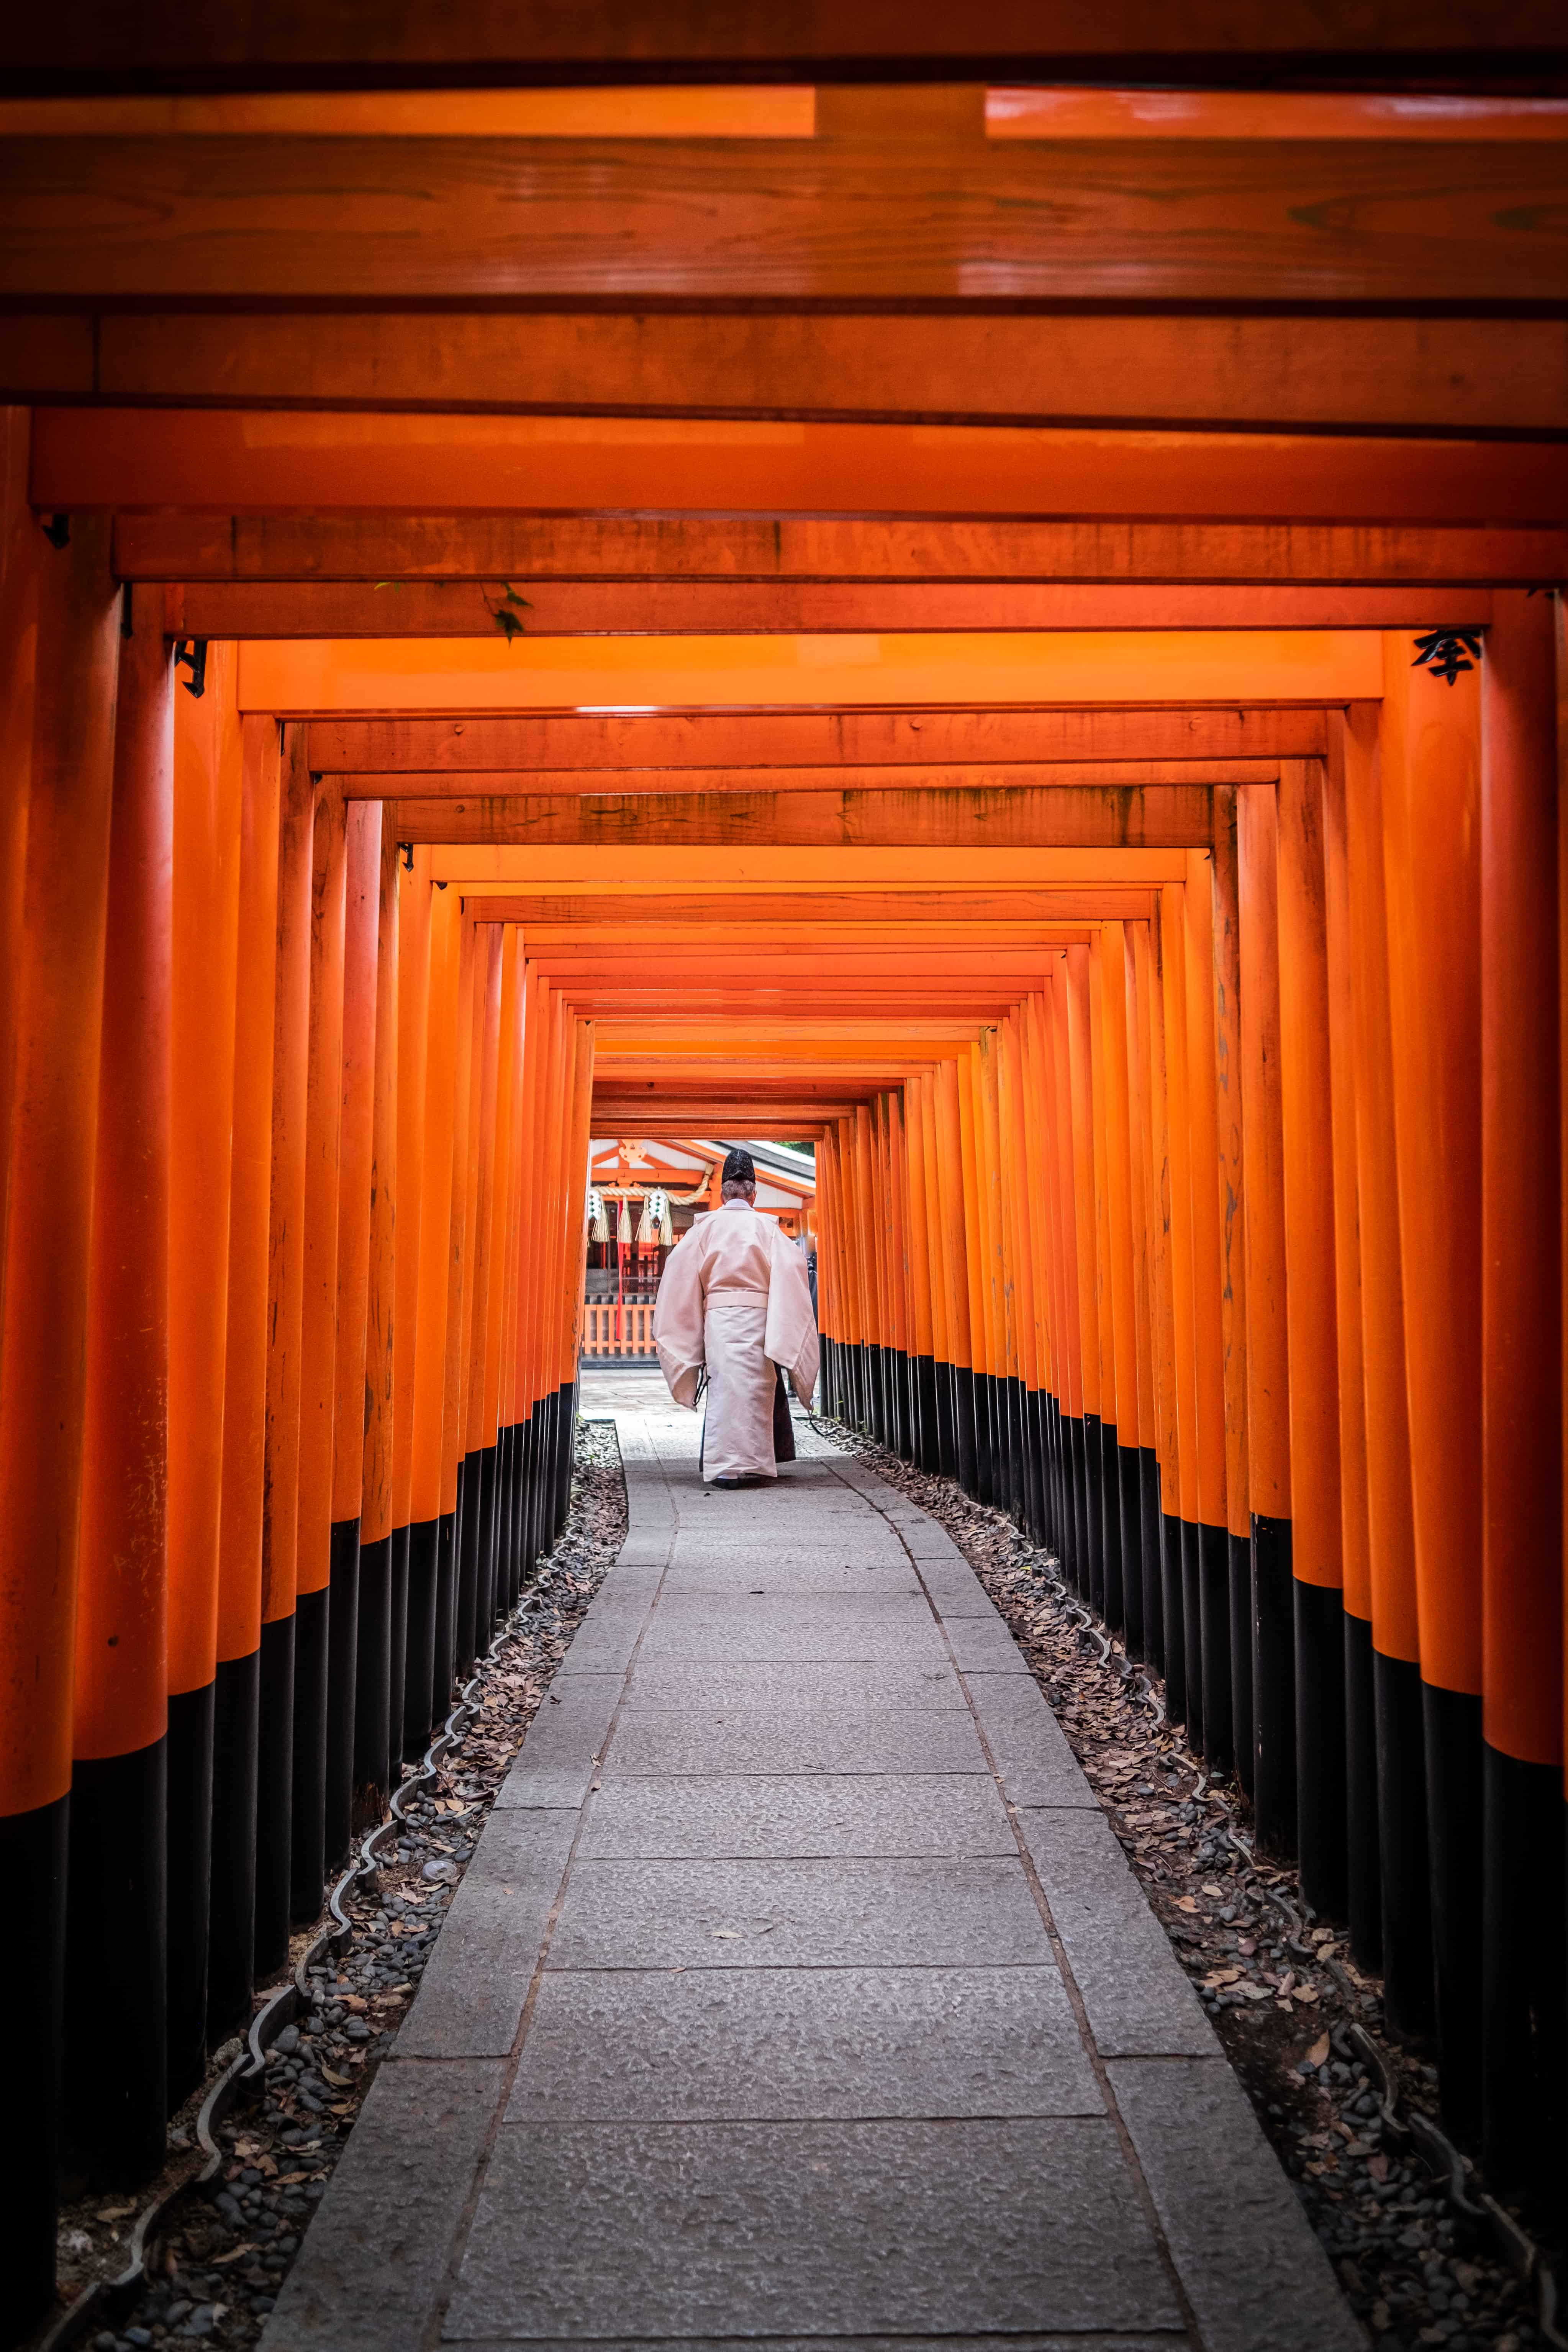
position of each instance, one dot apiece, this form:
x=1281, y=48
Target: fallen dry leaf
x=1318, y=2053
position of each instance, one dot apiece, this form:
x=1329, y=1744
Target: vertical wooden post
x=232, y=1917
x=119, y=1855
x=377, y=1649
x=1267, y=1348
x=1306, y=1087
x=324, y=1579
x=1431, y=789
x=1396, y=1649
x=52, y=1140
x=1228, y=1013
x=415, y=1568
x=209, y=810
x=1128, y=1500
x=1183, y=1617
x=1217, y=1604
x=1363, y=1869
x=1522, y=1363
x=1083, y=1193
x=285, y=1309
x=430, y=1548
x=1109, y=1572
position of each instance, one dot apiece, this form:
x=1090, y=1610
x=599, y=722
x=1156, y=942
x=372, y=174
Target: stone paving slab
x=371, y=2275
x=1140, y=2000
x=1255, y=2276
x=803, y=2044
x=804, y=1739
x=1033, y=1761
x=789, y=2050
x=914, y=1913
x=1095, y=2341
x=759, y=1816
x=471, y=1996
x=835, y=1685
x=887, y=2228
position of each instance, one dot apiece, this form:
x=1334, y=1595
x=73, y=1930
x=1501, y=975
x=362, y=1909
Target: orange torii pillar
x=476, y=1509
x=1313, y=1338
x=209, y=814
x=917, y=1245
x=1364, y=1868
x=1144, y=1616
x=1268, y=1454
x=323, y=1586
x=1184, y=1647
x=57, y=892
x=118, y=1886
x=1401, y=1769
x=431, y=1529
x=1064, y=1136
x=1092, y=1562
x=1165, y=1557
x=1229, y=1136
x=411, y=1696
x=535, y=1001
x=232, y=1914
x=378, y=1651
x=1431, y=805
x=1522, y=2032
x=285, y=1312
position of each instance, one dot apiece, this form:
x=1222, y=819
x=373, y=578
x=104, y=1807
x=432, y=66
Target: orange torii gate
x=1207, y=1216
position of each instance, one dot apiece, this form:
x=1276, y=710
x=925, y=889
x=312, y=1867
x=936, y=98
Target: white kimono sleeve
x=677, y=1322
x=791, y=1337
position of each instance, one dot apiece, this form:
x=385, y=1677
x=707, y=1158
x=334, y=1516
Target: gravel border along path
x=223, y=2263
x=1280, y=1993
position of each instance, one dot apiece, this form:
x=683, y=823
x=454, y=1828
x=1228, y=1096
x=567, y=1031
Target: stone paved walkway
x=799, y=1991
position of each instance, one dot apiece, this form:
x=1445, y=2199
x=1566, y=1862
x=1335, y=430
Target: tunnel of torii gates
x=1011, y=632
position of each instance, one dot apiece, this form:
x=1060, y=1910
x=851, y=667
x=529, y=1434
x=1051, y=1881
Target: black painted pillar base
x=1018, y=1450
x=189, y=1841
x=116, y=1967
x=1320, y=1815
x=1077, y=1434
x=568, y=1442
x=467, y=1562
x=945, y=1385
x=231, y=1919
x=372, y=1684
x=1036, y=1466
x=343, y=1668
x=985, y=1485
x=1093, y=1586
x=527, y=1534
x=965, y=1440
x=1524, y=1958
x=419, y=1663
x=1243, y=1724
x=397, y=1654
x=1149, y=1553
x=1219, y=1713
x=1172, y=1610
x=1110, y=1597
x=485, y=1595
x=32, y=1996
x=1130, y=1503
x=1363, y=1857
x=926, y=1436
x=1454, y=1816
x=1193, y=1631
x=308, y=1838
x=1274, y=1688
x=444, y=1662
x=274, y=1794
x=1408, y=2003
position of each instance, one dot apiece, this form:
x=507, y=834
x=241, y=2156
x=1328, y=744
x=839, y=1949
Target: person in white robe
x=735, y=1300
